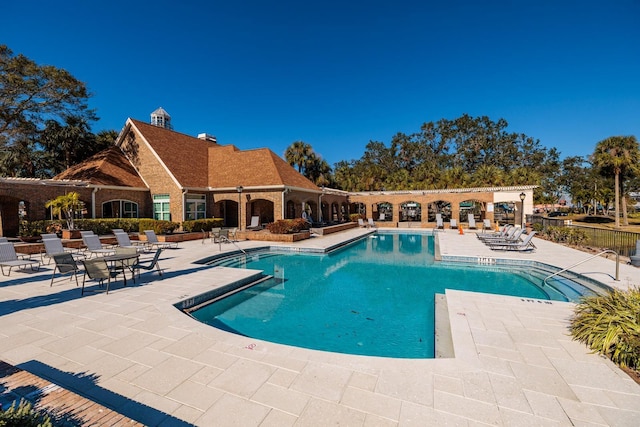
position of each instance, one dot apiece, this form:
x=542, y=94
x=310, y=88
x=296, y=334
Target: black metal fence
x=623, y=242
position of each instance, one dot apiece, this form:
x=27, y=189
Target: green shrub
x=24, y=415
x=159, y=226
x=103, y=226
x=567, y=235
x=32, y=228
x=202, y=224
x=288, y=226
x=354, y=217
x=610, y=325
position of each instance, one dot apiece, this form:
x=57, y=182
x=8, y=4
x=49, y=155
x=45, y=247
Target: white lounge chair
x=371, y=223
x=53, y=246
x=255, y=224
x=153, y=242
x=486, y=224
x=361, y=223
x=472, y=222
x=9, y=258
x=125, y=242
x=94, y=245
x=439, y=223
x=453, y=223
x=525, y=245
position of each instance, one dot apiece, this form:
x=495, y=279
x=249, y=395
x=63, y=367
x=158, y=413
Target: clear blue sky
x=337, y=74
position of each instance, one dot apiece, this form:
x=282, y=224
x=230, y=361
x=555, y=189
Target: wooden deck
x=63, y=406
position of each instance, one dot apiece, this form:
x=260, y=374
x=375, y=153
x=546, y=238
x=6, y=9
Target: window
x=161, y=207
x=196, y=206
x=120, y=209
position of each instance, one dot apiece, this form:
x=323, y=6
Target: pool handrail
x=617, y=278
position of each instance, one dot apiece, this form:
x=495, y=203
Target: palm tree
x=297, y=154
x=618, y=156
x=67, y=205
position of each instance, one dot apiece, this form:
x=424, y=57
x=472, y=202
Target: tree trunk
x=617, y=181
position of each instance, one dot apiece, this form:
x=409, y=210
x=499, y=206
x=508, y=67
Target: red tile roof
x=198, y=163
x=184, y=156
x=108, y=167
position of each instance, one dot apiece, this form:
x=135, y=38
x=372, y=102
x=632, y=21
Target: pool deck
x=133, y=352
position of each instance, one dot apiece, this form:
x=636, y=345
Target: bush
x=567, y=235
x=288, y=226
x=610, y=325
x=159, y=226
x=202, y=224
x=24, y=415
x=354, y=217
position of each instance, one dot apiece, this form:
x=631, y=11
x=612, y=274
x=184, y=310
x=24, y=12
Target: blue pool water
x=374, y=297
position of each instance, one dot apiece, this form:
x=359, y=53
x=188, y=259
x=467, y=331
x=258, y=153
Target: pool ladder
x=611, y=251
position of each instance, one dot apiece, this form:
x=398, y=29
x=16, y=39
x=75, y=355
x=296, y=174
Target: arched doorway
x=410, y=211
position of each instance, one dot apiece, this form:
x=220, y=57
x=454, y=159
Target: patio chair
x=150, y=265
x=48, y=236
x=97, y=269
x=66, y=264
x=506, y=231
x=439, y=223
x=233, y=234
x=525, y=245
x=153, y=242
x=371, y=223
x=486, y=224
x=53, y=246
x=361, y=223
x=510, y=238
x=125, y=242
x=4, y=240
x=635, y=259
x=94, y=245
x=9, y=258
x=255, y=224
x=86, y=233
x=453, y=223
x=472, y=222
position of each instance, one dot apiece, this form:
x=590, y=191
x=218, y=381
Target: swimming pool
x=373, y=297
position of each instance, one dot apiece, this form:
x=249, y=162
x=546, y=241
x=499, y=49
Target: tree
x=297, y=154
x=68, y=205
x=32, y=93
x=618, y=156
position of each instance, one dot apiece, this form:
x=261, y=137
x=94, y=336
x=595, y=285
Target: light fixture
x=522, y=197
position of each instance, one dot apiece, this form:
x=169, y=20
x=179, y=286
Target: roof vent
x=207, y=137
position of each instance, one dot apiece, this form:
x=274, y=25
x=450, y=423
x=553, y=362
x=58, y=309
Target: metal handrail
x=617, y=278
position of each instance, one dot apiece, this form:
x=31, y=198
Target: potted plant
x=67, y=205
x=29, y=231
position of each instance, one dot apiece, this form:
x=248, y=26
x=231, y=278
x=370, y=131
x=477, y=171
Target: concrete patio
x=134, y=352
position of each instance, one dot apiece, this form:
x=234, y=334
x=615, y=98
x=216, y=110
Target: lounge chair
x=453, y=223
x=382, y=217
x=153, y=242
x=94, y=245
x=66, y=265
x=472, y=222
x=506, y=231
x=255, y=224
x=86, y=233
x=9, y=258
x=125, y=242
x=525, y=245
x=149, y=266
x=486, y=224
x=439, y=223
x=371, y=223
x=635, y=259
x=53, y=246
x=510, y=238
x=361, y=223
x=233, y=234
x=97, y=269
